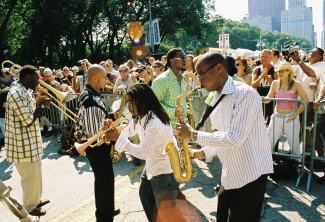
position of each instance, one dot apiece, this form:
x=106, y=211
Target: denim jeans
x=153, y=192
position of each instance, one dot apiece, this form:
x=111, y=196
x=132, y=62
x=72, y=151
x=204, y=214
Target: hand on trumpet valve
x=111, y=135
x=116, y=114
x=106, y=124
x=183, y=130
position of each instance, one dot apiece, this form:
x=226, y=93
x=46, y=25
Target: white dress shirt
x=152, y=142
x=241, y=141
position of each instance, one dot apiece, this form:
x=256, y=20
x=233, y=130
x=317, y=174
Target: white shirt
x=116, y=72
x=153, y=140
x=277, y=64
x=305, y=80
x=241, y=141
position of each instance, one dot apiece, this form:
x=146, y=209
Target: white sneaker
x=209, y=160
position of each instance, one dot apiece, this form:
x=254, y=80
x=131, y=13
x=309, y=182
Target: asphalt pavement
x=68, y=182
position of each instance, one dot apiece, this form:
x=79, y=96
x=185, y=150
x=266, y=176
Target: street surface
x=69, y=183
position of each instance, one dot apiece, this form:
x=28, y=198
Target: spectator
x=111, y=76
x=110, y=68
x=83, y=78
x=151, y=60
x=124, y=79
x=285, y=119
x=242, y=66
x=164, y=59
x=7, y=78
x=158, y=67
x=76, y=80
x=67, y=76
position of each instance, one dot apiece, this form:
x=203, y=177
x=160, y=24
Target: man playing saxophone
x=241, y=141
x=92, y=113
x=152, y=123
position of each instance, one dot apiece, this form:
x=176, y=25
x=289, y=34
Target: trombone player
x=92, y=113
x=23, y=139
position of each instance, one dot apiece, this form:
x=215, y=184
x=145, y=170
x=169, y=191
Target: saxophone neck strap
x=208, y=110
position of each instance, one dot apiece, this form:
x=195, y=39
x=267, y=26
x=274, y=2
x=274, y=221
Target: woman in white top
x=158, y=186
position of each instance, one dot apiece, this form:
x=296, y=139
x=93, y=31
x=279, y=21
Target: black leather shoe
x=42, y=203
x=116, y=212
x=37, y=212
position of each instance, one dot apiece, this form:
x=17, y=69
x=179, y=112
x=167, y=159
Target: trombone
x=40, y=89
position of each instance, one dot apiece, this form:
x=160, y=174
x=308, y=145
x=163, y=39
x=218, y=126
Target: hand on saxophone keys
x=183, y=131
x=197, y=154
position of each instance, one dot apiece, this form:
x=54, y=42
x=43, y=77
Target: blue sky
x=236, y=9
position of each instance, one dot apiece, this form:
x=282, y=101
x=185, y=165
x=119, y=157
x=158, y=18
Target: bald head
x=211, y=58
x=95, y=70
x=97, y=77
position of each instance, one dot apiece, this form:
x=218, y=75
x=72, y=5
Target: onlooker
x=67, y=76
x=242, y=66
x=158, y=67
x=151, y=60
x=111, y=76
x=164, y=59
x=285, y=118
x=7, y=78
x=124, y=79
x=81, y=64
x=275, y=57
x=110, y=68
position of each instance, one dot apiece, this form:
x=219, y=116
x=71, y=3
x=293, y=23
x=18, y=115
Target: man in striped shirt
x=92, y=113
x=23, y=139
x=241, y=141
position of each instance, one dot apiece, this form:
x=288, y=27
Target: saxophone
x=182, y=166
x=115, y=156
x=190, y=114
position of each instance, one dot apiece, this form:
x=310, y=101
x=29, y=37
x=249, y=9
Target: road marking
x=92, y=197
x=91, y=213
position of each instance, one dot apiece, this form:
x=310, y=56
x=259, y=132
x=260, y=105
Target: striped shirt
x=23, y=144
x=241, y=141
x=91, y=115
x=153, y=140
x=167, y=90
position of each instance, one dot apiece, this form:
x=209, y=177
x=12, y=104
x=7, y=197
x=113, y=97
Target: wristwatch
x=300, y=62
x=42, y=106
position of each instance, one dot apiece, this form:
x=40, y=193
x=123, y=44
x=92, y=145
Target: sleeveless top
x=287, y=104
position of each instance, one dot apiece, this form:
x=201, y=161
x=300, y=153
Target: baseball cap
x=80, y=62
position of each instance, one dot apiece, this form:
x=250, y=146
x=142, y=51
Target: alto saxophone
x=181, y=163
x=115, y=156
x=190, y=114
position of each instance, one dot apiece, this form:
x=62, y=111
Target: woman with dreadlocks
x=158, y=186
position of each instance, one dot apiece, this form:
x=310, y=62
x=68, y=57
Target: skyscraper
x=266, y=8
x=298, y=20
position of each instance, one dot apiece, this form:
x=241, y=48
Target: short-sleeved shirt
x=167, y=89
x=120, y=81
x=23, y=144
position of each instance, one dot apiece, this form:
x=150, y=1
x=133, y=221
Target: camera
x=80, y=72
x=290, y=50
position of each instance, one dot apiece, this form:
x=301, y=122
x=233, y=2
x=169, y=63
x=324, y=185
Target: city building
x=266, y=23
x=298, y=20
x=260, y=12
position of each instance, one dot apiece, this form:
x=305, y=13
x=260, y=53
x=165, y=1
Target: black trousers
x=243, y=204
x=101, y=164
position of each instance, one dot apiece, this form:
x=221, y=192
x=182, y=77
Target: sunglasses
x=122, y=70
x=155, y=66
x=183, y=58
x=66, y=70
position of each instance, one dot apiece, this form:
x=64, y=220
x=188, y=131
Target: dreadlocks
x=147, y=103
x=170, y=55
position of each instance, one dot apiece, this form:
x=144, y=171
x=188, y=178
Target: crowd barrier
x=283, y=153
x=313, y=157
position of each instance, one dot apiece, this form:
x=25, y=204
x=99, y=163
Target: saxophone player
x=158, y=188
x=241, y=141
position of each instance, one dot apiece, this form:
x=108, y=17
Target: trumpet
x=81, y=147
x=40, y=89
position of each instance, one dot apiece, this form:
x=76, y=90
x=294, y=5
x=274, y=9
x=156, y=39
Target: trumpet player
x=92, y=113
x=23, y=140
x=151, y=122
x=241, y=141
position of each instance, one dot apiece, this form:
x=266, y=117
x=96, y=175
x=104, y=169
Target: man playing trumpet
x=92, y=113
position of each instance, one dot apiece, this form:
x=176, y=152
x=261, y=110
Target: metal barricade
x=313, y=157
x=60, y=121
x=285, y=153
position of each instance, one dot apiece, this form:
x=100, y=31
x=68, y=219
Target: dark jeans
x=243, y=204
x=154, y=192
x=101, y=164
